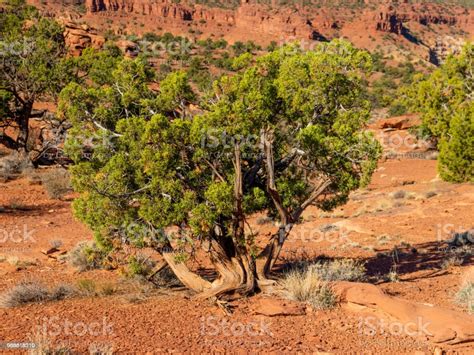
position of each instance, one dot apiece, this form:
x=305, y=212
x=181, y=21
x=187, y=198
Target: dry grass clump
x=12, y=166
x=57, y=183
x=33, y=292
x=399, y=194
x=306, y=286
x=465, y=296
x=101, y=349
x=86, y=256
x=43, y=346
x=89, y=288
x=454, y=260
x=339, y=270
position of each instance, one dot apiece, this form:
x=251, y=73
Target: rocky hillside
x=427, y=30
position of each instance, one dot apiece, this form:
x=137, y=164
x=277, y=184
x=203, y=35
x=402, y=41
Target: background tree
x=33, y=66
x=445, y=100
x=284, y=134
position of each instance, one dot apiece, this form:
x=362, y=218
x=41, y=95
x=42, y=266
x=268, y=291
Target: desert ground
x=396, y=227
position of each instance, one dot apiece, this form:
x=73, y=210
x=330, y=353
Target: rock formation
x=79, y=37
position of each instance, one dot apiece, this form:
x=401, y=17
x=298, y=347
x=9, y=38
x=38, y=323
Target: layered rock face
x=392, y=18
x=388, y=21
x=162, y=8
x=296, y=21
x=252, y=20
x=79, y=37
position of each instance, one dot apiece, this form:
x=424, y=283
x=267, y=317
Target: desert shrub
x=465, y=297
x=460, y=239
x=87, y=256
x=139, y=265
x=392, y=276
x=32, y=175
x=12, y=166
x=61, y=292
x=33, y=292
x=107, y=289
x=305, y=285
x=445, y=103
x=454, y=260
x=101, y=349
x=456, y=155
x=26, y=292
x=87, y=287
x=57, y=183
x=339, y=270
x=44, y=345
x=397, y=110
x=399, y=194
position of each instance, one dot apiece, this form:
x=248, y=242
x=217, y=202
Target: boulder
x=435, y=324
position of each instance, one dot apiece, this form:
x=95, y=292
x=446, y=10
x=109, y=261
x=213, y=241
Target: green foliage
x=456, y=159
x=384, y=89
x=139, y=266
x=33, y=66
x=163, y=167
x=445, y=100
x=32, y=54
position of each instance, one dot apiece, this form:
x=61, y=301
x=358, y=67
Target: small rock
x=49, y=251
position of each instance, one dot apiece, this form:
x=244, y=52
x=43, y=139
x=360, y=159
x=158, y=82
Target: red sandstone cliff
x=262, y=23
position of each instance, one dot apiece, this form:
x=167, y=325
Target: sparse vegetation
x=448, y=118
x=43, y=345
x=305, y=285
x=465, y=297
x=452, y=261
x=339, y=270
x=33, y=292
x=139, y=265
x=87, y=287
x=87, y=256
x=12, y=166
x=401, y=194
x=57, y=183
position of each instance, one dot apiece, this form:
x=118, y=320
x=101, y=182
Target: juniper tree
x=445, y=100
x=286, y=133
x=33, y=67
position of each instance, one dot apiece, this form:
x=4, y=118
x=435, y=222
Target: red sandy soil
x=140, y=320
